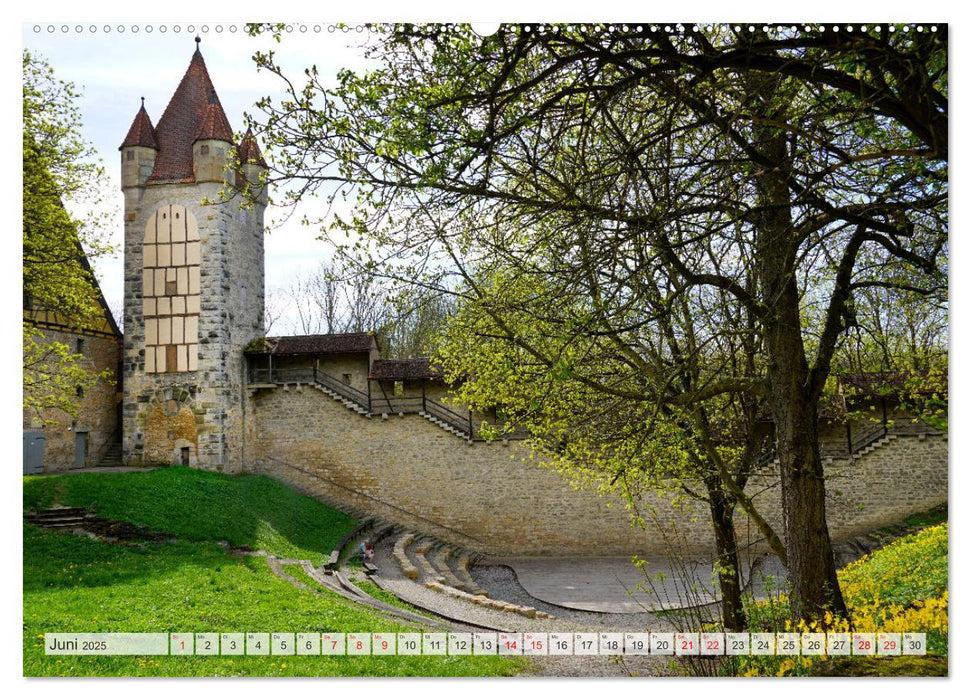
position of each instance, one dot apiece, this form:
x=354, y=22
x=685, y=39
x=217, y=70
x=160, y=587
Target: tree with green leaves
x=58, y=167
x=716, y=198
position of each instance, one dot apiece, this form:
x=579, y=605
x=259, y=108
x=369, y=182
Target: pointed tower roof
x=249, y=150
x=192, y=107
x=141, y=133
x=214, y=123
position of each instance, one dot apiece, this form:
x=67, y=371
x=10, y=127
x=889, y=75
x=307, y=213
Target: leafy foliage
x=58, y=166
x=664, y=228
x=902, y=587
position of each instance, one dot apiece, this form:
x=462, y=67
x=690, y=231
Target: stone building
x=53, y=440
x=193, y=279
x=328, y=415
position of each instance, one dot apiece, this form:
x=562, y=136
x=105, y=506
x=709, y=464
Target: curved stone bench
x=335, y=553
x=481, y=600
x=419, y=552
x=462, y=571
x=401, y=556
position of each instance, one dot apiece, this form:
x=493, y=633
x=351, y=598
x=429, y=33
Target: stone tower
x=193, y=280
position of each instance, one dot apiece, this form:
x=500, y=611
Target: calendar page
x=527, y=349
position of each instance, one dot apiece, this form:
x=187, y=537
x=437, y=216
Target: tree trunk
x=812, y=570
x=727, y=565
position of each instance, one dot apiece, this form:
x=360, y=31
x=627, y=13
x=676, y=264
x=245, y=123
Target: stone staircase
x=875, y=445
x=828, y=458
x=111, y=457
x=327, y=391
x=59, y=518
x=445, y=426
x=362, y=410
x=444, y=569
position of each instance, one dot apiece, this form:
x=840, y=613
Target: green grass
x=866, y=666
x=375, y=592
x=252, y=511
x=76, y=584
x=909, y=569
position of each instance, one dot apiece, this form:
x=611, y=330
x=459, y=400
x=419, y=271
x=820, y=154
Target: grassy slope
x=75, y=584
x=902, y=587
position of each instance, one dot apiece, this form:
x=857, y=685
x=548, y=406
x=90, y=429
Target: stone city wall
x=494, y=499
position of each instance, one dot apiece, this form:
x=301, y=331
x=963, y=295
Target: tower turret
x=252, y=169
x=211, y=149
x=138, y=151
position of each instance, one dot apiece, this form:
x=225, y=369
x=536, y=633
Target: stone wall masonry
x=231, y=315
x=97, y=416
x=486, y=496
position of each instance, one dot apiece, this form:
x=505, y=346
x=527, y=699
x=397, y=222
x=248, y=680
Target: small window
x=80, y=392
x=79, y=345
x=203, y=150
x=346, y=378
x=130, y=155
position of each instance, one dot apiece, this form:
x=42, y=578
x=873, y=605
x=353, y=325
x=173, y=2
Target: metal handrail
x=346, y=390
x=870, y=437
x=448, y=416
x=308, y=375
x=377, y=404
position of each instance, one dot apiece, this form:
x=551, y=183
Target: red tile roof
x=892, y=384
x=249, y=150
x=313, y=344
x=215, y=125
x=182, y=122
x=141, y=133
x=405, y=368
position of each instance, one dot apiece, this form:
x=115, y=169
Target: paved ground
x=614, y=584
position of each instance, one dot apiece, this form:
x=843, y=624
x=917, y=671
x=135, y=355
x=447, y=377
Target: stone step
x=481, y=600
x=419, y=552
x=440, y=563
x=59, y=518
x=400, y=553
x=462, y=563
x=112, y=457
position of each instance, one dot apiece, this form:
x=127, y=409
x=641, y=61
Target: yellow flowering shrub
x=899, y=588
